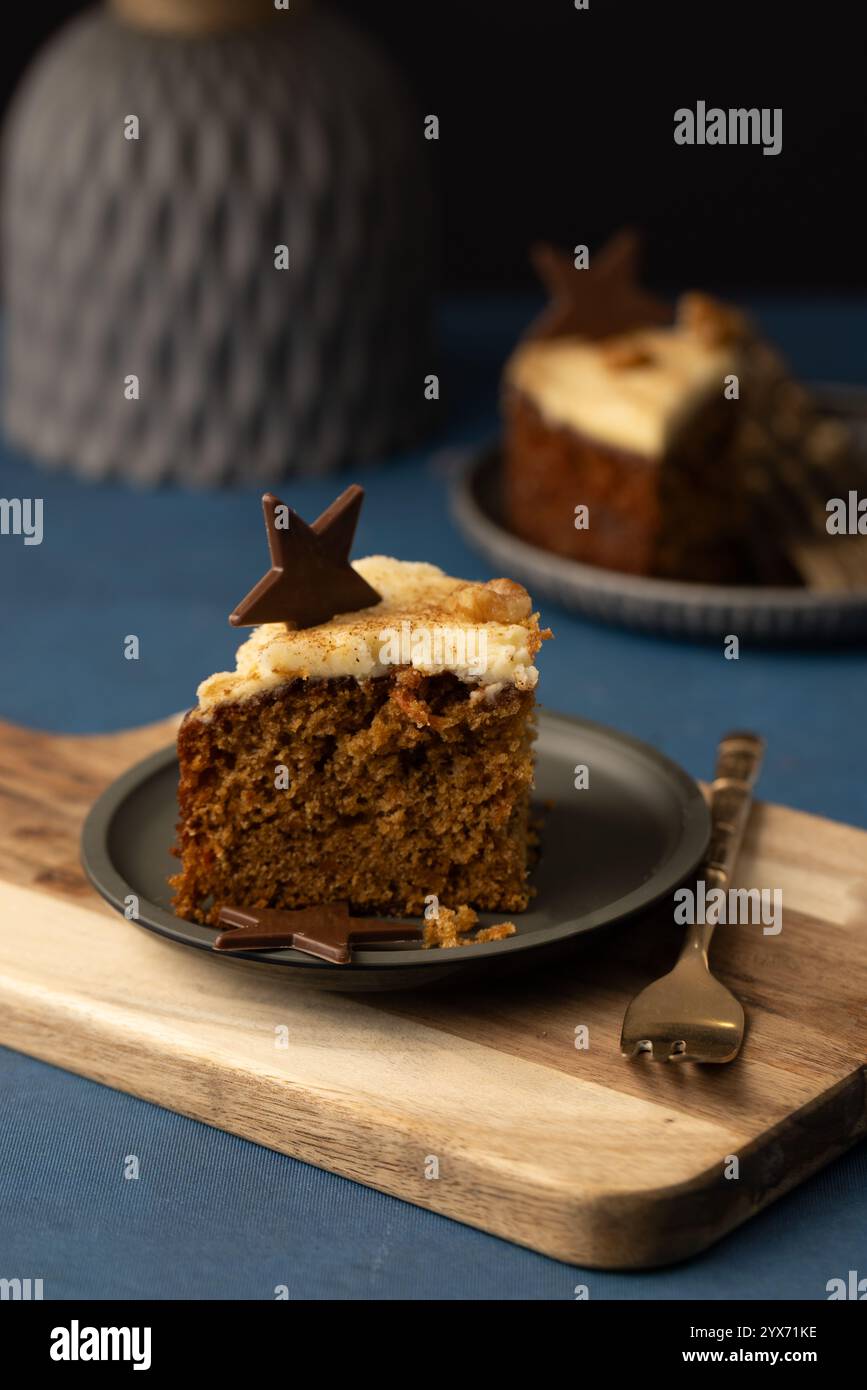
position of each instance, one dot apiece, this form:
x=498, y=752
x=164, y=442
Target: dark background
x=557, y=124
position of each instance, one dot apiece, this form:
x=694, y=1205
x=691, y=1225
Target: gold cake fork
x=687, y=1015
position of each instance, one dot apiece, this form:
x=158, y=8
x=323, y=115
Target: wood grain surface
x=574, y=1152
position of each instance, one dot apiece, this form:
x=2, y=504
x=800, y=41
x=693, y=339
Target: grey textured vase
x=154, y=258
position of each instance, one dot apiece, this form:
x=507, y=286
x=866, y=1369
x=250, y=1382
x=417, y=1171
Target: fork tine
x=660, y=1049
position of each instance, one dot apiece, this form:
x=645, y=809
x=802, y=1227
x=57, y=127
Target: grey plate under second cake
x=672, y=607
x=608, y=851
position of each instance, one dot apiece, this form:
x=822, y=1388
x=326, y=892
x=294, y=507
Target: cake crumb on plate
x=451, y=927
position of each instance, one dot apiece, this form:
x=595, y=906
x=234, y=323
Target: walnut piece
x=714, y=323
x=498, y=601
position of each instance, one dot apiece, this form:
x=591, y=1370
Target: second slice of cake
x=662, y=440
x=381, y=757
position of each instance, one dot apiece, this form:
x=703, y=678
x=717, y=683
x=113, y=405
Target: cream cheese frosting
x=631, y=391
x=485, y=634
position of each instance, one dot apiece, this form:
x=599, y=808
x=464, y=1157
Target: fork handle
x=738, y=762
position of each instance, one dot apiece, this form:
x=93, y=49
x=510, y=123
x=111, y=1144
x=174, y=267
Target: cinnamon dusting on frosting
x=415, y=598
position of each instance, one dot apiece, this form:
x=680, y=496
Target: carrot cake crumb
x=496, y=933
x=452, y=927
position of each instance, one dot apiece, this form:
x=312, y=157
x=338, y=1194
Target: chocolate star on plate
x=310, y=578
x=326, y=931
x=602, y=300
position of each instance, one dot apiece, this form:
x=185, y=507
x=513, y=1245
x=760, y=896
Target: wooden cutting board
x=574, y=1152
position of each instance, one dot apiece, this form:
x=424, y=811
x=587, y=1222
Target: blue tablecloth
x=212, y=1216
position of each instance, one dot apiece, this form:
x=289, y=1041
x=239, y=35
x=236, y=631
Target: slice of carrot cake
x=657, y=439
x=373, y=745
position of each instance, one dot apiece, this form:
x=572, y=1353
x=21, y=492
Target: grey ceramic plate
x=659, y=605
x=607, y=852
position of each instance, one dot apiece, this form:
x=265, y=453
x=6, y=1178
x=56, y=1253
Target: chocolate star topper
x=310, y=578
x=600, y=301
x=326, y=931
